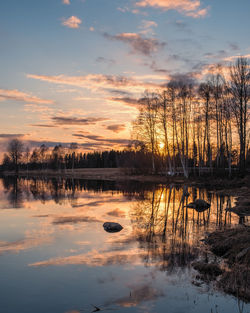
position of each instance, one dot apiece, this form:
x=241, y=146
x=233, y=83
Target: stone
x=112, y=227
x=199, y=205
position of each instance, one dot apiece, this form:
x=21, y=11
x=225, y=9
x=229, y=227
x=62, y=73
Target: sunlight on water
x=56, y=257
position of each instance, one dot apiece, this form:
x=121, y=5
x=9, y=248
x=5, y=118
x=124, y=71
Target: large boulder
x=112, y=227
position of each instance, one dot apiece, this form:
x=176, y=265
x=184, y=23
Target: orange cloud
x=72, y=22
x=99, y=81
x=235, y=57
x=16, y=95
x=188, y=7
x=66, y=2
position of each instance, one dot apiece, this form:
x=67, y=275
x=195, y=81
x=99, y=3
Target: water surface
x=55, y=256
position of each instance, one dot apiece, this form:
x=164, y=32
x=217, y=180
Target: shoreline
x=125, y=175
x=109, y=174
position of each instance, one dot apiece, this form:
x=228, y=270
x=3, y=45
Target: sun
x=161, y=145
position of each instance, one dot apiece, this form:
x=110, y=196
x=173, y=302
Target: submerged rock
x=112, y=227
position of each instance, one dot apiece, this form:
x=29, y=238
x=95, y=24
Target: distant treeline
x=60, y=158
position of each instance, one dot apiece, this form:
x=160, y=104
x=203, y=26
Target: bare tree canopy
x=240, y=90
x=15, y=150
x=194, y=126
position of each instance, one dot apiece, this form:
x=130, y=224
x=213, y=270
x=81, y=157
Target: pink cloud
x=188, y=7
x=16, y=95
x=72, y=22
x=94, y=82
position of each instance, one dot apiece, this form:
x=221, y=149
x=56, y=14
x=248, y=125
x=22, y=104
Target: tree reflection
x=171, y=232
x=14, y=191
x=168, y=232
x=63, y=190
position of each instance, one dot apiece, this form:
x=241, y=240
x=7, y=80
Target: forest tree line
x=20, y=157
x=186, y=128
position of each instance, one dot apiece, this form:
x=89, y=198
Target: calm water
x=55, y=256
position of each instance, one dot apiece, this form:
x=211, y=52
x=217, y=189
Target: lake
x=56, y=257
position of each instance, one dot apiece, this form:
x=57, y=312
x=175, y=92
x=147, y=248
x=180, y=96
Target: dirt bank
x=231, y=270
x=233, y=245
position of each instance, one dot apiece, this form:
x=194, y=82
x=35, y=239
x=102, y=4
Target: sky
x=72, y=70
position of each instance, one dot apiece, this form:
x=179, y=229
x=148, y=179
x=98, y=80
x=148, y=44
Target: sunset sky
x=71, y=70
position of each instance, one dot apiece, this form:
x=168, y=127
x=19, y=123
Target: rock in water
x=199, y=205
x=111, y=227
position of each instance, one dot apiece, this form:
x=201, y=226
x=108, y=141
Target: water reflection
x=167, y=229
x=61, y=190
x=60, y=226
x=14, y=191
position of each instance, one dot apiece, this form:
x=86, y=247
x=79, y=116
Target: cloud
x=188, y=77
x=43, y=125
x=105, y=60
x=147, y=27
x=153, y=66
x=89, y=146
x=60, y=120
x=72, y=22
x=132, y=102
x=103, y=139
x=235, y=57
x=66, y=2
x=116, y=128
x=16, y=95
x=187, y=7
x=138, y=43
x=198, y=14
x=94, y=82
x=148, y=24
x=9, y=136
